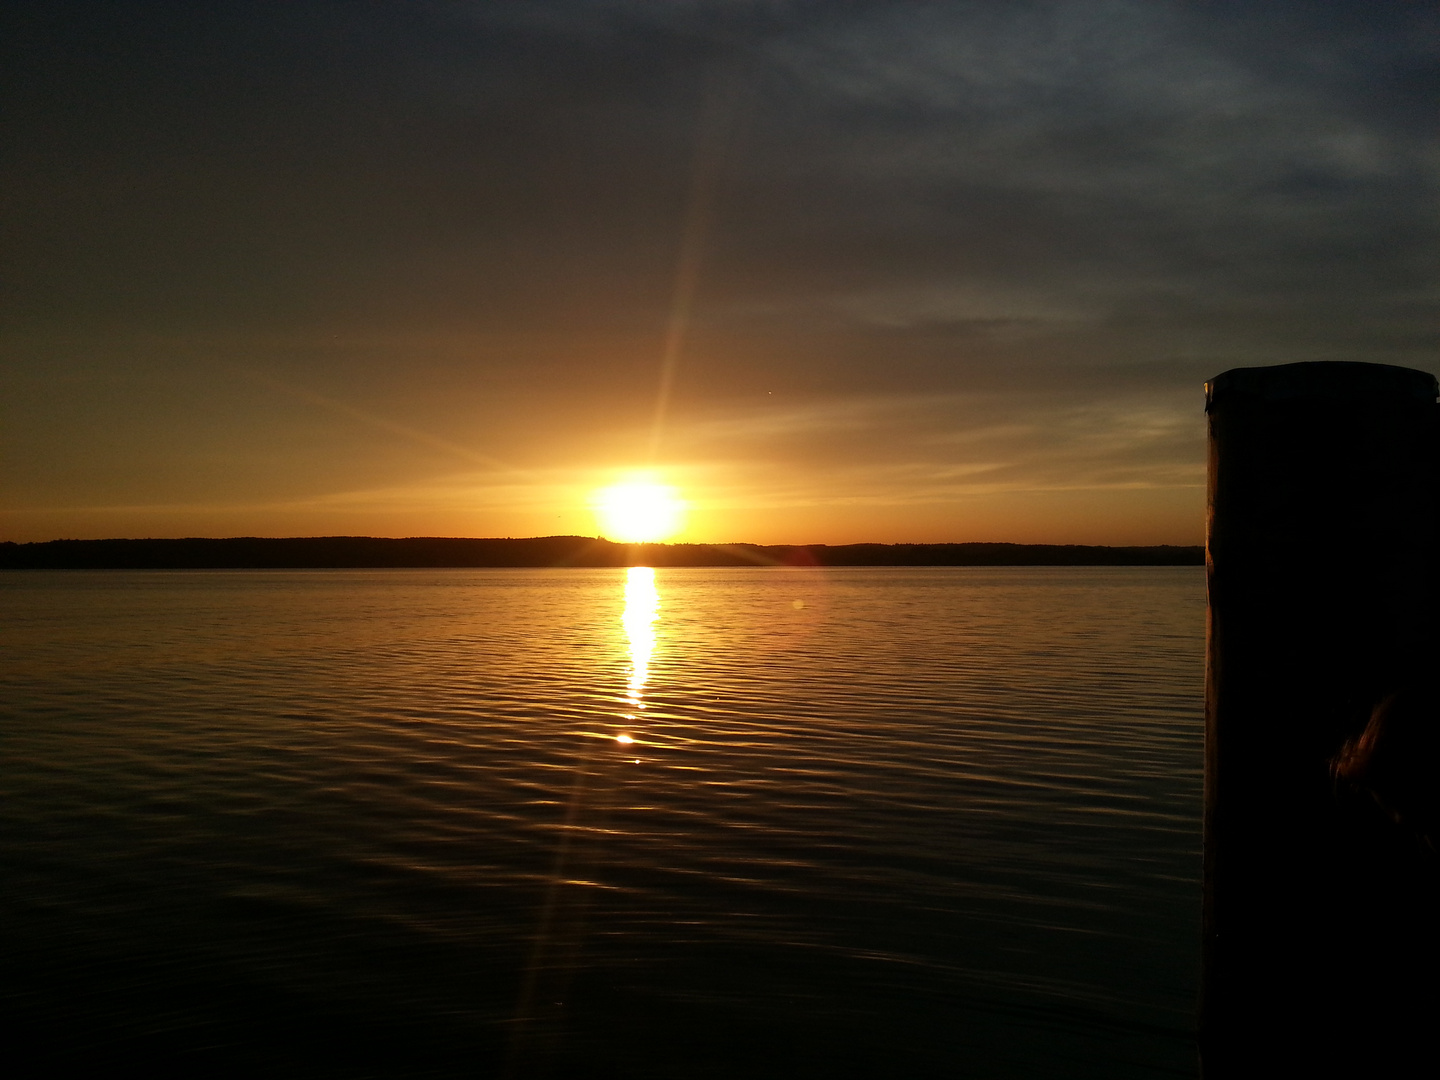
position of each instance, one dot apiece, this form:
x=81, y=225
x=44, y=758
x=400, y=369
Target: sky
x=833, y=271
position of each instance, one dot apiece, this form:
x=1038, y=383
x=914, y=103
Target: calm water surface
x=695, y=823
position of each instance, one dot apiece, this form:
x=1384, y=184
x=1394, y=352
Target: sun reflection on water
x=642, y=610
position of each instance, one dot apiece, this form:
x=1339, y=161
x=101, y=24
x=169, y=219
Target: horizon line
x=588, y=539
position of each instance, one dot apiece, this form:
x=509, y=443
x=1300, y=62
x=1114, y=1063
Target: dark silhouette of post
x=1321, y=568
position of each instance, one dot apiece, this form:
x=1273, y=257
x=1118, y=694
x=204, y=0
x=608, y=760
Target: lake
x=604, y=823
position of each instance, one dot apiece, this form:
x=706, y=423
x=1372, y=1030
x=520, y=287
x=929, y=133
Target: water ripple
x=865, y=822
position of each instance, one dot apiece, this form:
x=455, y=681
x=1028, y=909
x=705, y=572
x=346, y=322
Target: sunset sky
x=834, y=271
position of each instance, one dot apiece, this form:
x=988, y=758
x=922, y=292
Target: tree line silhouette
x=317, y=552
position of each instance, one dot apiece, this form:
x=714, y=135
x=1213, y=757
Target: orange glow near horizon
x=638, y=511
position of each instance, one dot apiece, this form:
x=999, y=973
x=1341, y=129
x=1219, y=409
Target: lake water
x=689, y=823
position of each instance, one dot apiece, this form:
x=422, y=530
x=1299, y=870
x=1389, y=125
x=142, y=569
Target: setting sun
x=638, y=512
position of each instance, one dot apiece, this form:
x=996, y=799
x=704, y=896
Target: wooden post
x=1321, y=559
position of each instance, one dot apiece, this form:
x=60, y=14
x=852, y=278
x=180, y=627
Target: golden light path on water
x=642, y=611
x=561, y=924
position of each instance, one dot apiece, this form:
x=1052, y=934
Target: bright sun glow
x=639, y=512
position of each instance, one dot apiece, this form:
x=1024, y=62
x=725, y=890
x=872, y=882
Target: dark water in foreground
x=870, y=822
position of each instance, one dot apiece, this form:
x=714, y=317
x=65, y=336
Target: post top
x=1342, y=379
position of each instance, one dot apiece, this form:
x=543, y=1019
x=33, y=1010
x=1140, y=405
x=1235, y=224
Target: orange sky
x=887, y=272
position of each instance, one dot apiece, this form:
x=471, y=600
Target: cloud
x=991, y=245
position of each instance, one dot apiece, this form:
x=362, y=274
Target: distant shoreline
x=365, y=552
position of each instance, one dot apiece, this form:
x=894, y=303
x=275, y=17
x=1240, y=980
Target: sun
x=638, y=511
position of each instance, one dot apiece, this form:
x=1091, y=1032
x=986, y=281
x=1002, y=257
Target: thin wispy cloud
x=536, y=236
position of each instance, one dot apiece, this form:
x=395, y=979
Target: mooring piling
x=1321, y=555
